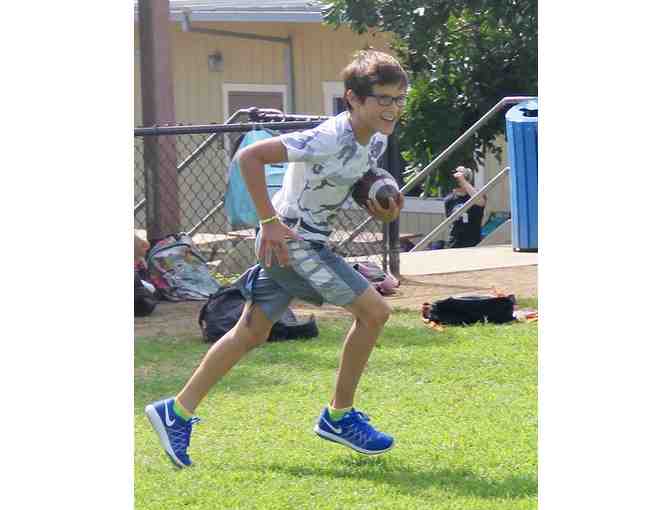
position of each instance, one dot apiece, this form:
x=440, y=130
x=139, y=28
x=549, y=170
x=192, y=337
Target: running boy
x=295, y=261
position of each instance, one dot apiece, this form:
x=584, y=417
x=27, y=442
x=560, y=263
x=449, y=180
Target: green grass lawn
x=461, y=405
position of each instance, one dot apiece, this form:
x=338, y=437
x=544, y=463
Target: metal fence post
x=395, y=168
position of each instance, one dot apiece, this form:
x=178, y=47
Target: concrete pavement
x=457, y=260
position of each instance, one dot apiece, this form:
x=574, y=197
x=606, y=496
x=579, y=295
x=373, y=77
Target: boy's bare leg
x=251, y=330
x=371, y=312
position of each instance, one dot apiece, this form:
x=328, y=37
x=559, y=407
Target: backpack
x=459, y=310
x=144, y=299
x=238, y=204
x=178, y=270
x=225, y=307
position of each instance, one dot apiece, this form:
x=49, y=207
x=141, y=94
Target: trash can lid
x=527, y=111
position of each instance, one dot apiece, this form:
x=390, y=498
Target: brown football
x=372, y=185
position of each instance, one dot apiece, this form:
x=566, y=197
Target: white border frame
x=330, y=90
x=250, y=87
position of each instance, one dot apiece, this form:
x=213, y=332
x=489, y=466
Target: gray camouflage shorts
x=315, y=274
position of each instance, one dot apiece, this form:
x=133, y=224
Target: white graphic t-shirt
x=325, y=162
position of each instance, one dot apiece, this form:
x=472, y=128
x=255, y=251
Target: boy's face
x=377, y=117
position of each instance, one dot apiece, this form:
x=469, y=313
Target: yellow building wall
x=320, y=53
x=499, y=196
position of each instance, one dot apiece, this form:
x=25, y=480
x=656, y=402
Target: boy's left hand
x=386, y=215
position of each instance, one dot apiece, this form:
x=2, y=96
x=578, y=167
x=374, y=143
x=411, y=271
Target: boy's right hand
x=272, y=242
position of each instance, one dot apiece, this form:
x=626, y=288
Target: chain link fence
x=181, y=177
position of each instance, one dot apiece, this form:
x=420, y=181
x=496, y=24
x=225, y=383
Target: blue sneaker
x=174, y=432
x=354, y=431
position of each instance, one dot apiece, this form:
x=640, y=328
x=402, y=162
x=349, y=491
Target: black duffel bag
x=458, y=310
x=223, y=309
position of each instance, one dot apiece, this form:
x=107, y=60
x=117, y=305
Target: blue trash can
x=521, y=132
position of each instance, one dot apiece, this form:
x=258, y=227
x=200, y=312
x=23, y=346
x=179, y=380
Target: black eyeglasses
x=384, y=100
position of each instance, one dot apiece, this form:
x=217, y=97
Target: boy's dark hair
x=368, y=68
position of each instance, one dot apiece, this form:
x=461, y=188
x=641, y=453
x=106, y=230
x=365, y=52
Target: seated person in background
x=466, y=229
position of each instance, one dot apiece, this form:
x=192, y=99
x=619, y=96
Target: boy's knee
x=377, y=316
x=255, y=339
x=254, y=328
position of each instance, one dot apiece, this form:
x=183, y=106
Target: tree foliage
x=463, y=56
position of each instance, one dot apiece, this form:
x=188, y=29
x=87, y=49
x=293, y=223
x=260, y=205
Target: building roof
x=292, y=11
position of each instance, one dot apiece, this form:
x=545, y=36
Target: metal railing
x=455, y=215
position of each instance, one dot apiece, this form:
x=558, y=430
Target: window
x=238, y=96
x=245, y=95
x=332, y=93
x=339, y=105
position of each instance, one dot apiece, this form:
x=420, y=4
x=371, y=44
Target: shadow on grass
x=413, y=482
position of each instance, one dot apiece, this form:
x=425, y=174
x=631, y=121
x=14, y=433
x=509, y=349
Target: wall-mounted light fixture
x=215, y=62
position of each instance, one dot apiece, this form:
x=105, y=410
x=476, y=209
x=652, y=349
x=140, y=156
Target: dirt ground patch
x=181, y=319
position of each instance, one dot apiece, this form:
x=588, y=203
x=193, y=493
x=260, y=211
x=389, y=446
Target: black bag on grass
x=225, y=307
x=459, y=310
x=145, y=300
x=290, y=328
